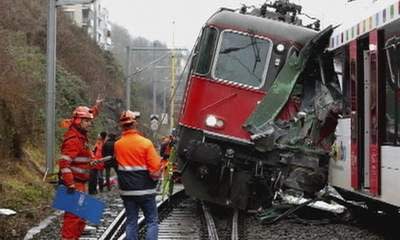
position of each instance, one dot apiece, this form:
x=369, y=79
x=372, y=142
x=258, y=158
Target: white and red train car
x=366, y=161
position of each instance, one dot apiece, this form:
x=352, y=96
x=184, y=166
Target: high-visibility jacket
x=166, y=147
x=75, y=154
x=137, y=162
x=98, y=153
x=75, y=157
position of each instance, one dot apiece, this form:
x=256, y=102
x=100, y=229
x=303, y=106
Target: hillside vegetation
x=84, y=71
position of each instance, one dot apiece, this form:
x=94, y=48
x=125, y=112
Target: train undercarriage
x=236, y=175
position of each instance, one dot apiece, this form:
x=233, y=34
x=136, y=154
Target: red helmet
x=127, y=117
x=83, y=112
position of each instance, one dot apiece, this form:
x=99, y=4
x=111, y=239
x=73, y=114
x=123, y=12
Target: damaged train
x=260, y=109
x=365, y=164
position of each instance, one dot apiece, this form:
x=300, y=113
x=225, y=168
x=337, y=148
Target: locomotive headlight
x=211, y=121
x=280, y=47
x=214, y=122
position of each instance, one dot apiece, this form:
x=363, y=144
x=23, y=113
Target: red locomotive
x=259, y=109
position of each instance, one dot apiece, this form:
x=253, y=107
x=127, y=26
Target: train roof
x=377, y=17
x=262, y=26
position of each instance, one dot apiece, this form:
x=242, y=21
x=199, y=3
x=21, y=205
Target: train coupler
x=227, y=164
x=259, y=171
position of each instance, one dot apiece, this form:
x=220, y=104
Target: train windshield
x=242, y=58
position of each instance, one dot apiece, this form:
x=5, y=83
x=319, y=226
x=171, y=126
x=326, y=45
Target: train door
x=340, y=163
x=372, y=63
x=390, y=116
x=364, y=119
x=371, y=149
x=367, y=113
x=357, y=112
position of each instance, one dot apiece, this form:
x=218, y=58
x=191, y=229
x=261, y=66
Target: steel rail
x=211, y=228
x=116, y=226
x=235, y=219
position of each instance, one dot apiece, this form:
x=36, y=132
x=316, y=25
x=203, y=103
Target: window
x=85, y=13
x=242, y=58
x=206, y=50
x=339, y=64
x=392, y=90
x=70, y=15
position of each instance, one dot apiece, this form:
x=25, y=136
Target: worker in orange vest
x=165, y=151
x=97, y=173
x=139, y=168
x=167, y=144
x=166, y=147
x=75, y=164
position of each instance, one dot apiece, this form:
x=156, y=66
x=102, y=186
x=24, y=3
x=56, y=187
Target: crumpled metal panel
x=321, y=205
x=301, y=133
x=261, y=120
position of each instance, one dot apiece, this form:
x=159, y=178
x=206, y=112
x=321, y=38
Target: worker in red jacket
x=75, y=164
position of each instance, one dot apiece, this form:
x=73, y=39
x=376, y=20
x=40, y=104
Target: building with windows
x=94, y=19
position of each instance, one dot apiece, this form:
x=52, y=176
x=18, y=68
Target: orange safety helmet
x=83, y=112
x=128, y=117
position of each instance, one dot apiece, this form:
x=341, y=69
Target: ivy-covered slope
x=84, y=71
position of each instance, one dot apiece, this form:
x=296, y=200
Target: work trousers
x=149, y=207
x=96, y=178
x=108, y=175
x=73, y=225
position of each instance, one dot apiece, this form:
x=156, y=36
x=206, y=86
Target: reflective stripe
x=65, y=170
x=79, y=170
x=65, y=157
x=81, y=159
x=128, y=168
x=137, y=192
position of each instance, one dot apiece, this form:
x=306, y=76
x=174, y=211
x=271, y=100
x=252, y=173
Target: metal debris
x=7, y=212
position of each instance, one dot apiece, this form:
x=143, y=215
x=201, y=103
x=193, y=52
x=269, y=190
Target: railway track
x=116, y=229
x=184, y=218
x=224, y=228
x=181, y=218
x=183, y=222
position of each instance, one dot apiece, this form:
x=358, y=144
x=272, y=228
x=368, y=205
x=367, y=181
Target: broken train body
x=260, y=108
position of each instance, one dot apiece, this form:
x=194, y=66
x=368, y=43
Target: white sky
x=153, y=19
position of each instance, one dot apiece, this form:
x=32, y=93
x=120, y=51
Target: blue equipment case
x=79, y=203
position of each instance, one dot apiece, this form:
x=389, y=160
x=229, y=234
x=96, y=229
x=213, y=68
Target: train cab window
x=205, y=50
x=242, y=58
x=392, y=89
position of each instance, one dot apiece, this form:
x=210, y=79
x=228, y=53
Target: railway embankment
x=83, y=69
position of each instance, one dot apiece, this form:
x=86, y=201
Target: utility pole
x=164, y=104
x=95, y=22
x=51, y=85
x=128, y=78
x=172, y=95
x=51, y=77
x=154, y=95
x=154, y=86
